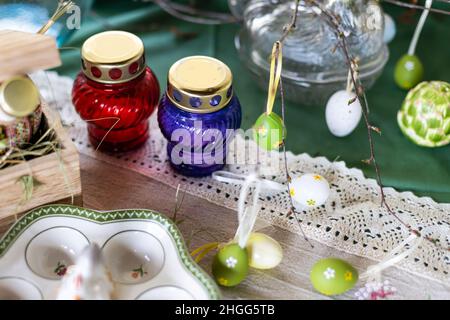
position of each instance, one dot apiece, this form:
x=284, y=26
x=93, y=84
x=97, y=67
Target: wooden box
x=58, y=174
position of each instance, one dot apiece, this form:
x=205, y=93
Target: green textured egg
x=425, y=114
x=408, y=71
x=269, y=131
x=333, y=276
x=230, y=265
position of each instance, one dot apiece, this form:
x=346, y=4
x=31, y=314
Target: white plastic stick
x=423, y=17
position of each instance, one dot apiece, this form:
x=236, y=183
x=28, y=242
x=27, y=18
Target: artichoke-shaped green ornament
x=425, y=114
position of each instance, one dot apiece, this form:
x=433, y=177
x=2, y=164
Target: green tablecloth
x=404, y=165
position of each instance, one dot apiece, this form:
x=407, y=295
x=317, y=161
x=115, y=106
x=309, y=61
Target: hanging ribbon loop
x=374, y=272
x=236, y=178
x=275, y=75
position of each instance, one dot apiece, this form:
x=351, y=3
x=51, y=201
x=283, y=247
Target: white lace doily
x=352, y=220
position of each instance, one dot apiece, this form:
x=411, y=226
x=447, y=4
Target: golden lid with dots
x=199, y=84
x=113, y=57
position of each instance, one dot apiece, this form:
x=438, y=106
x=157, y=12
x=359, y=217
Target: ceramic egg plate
x=143, y=250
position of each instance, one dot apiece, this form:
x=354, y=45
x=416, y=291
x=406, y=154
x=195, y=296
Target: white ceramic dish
x=143, y=250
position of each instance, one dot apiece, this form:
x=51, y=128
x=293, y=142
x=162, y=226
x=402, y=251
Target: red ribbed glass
x=116, y=114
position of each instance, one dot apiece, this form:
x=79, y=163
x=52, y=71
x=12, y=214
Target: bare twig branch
x=334, y=22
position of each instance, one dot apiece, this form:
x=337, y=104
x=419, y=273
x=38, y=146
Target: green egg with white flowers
x=230, y=265
x=332, y=276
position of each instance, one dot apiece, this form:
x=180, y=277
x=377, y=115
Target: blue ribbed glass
x=171, y=118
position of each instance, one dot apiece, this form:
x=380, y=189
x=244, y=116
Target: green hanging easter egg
x=230, y=265
x=269, y=131
x=333, y=276
x=408, y=71
x=425, y=114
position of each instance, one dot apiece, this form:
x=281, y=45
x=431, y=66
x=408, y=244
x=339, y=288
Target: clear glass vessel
x=312, y=70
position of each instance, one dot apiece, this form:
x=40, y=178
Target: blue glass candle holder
x=198, y=115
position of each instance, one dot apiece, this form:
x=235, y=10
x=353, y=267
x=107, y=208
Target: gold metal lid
x=19, y=96
x=199, y=84
x=113, y=57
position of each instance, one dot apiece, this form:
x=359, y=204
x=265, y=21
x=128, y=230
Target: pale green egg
x=264, y=252
x=333, y=276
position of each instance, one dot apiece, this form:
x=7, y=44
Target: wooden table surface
x=107, y=187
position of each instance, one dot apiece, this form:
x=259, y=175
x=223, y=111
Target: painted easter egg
x=389, y=28
x=333, y=276
x=408, y=71
x=230, y=265
x=341, y=117
x=425, y=114
x=309, y=190
x=264, y=252
x=4, y=143
x=269, y=131
x=20, y=132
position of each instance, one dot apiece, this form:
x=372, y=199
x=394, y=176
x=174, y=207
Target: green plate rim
x=102, y=217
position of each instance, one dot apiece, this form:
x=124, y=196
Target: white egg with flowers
x=343, y=113
x=309, y=190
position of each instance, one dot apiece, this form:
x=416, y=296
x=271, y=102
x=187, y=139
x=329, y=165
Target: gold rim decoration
x=113, y=57
x=19, y=96
x=200, y=84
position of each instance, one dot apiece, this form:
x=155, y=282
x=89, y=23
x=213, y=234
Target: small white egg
x=341, y=117
x=389, y=28
x=309, y=190
x=264, y=252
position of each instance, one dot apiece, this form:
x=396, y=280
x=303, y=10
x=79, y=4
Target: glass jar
x=312, y=70
x=198, y=115
x=115, y=92
x=20, y=112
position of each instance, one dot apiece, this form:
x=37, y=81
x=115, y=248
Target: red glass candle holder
x=115, y=93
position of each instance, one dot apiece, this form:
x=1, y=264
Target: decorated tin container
x=198, y=115
x=115, y=92
x=20, y=112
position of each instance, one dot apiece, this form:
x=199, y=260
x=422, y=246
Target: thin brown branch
x=292, y=25
x=334, y=22
x=286, y=168
x=286, y=31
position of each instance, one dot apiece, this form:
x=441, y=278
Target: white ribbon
x=420, y=24
x=373, y=273
x=236, y=178
x=247, y=214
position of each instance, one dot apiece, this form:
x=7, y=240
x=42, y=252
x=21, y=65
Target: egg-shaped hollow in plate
x=13, y=288
x=50, y=252
x=165, y=293
x=133, y=256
